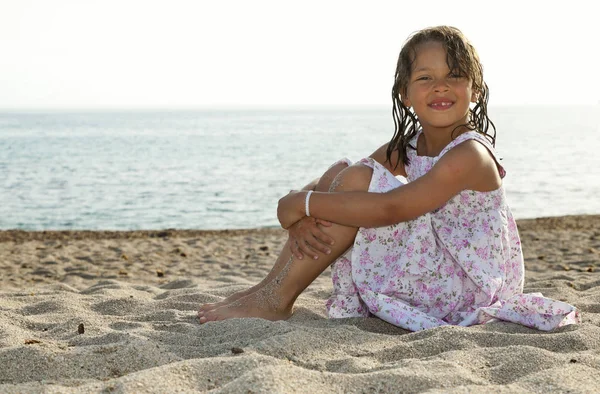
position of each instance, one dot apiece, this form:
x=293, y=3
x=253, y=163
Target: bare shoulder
x=474, y=163
x=396, y=167
x=471, y=151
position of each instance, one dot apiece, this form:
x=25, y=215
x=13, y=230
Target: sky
x=87, y=54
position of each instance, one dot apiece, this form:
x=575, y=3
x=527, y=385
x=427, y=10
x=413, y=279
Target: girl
x=442, y=248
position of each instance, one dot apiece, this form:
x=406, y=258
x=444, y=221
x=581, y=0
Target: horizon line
x=250, y=107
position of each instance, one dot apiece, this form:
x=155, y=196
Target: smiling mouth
x=441, y=105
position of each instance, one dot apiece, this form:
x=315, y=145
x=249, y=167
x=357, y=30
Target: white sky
x=69, y=54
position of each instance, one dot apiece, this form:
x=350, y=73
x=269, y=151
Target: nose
x=440, y=85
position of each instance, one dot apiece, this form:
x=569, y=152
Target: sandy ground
x=116, y=312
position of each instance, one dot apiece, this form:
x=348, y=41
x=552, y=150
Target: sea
x=227, y=168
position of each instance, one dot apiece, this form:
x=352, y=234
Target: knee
x=325, y=182
x=356, y=177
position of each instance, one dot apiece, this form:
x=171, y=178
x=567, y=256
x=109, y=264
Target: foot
x=234, y=297
x=262, y=303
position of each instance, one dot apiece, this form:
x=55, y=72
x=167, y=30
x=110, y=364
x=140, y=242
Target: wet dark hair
x=462, y=59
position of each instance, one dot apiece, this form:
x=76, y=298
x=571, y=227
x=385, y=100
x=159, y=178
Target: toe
x=209, y=316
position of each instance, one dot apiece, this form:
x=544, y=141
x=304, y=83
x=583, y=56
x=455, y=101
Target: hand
x=291, y=208
x=306, y=237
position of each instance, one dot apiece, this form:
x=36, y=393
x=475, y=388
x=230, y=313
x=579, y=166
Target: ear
x=406, y=101
x=404, y=98
x=474, y=96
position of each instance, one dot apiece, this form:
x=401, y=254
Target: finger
x=319, y=245
x=322, y=237
x=308, y=250
x=295, y=250
x=324, y=222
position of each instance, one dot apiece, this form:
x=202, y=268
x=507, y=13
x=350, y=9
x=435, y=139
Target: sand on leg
x=275, y=299
x=323, y=185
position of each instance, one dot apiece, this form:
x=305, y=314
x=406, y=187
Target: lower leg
x=282, y=259
x=323, y=185
x=275, y=298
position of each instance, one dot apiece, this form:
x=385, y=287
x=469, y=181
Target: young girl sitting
x=442, y=248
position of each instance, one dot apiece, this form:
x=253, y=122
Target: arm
x=468, y=166
x=306, y=236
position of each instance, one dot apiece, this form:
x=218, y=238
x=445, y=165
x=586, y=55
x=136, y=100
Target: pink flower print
x=373, y=307
x=455, y=211
x=469, y=264
x=485, y=225
x=483, y=253
x=370, y=234
x=512, y=225
x=446, y=231
x=409, y=250
x=335, y=277
x=464, y=198
x=425, y=245
x=378, y=279
x=365, y=258
x=498, y=200
x=538, y=301
x=421, y=227
x=466, y=223
x=421, y=286
x=391, y=286
x=383, y=182
x=481, y=199
x=469, y=298
x=389, y=259
x=449, y=270
x=460, y=244
x=422, y=264
x=398, y=315
x=362, y=288
x=399, y=272
x=439, y=304
x=431, y=292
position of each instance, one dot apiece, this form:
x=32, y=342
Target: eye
x=423, y=78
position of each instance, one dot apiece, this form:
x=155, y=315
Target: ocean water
x=218, y=169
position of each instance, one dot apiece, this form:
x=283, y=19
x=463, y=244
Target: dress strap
x=473, y=135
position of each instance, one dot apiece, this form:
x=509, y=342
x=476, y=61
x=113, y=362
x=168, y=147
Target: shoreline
x=567, y=222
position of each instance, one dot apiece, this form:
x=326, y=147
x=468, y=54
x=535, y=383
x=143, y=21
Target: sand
x=116, y=312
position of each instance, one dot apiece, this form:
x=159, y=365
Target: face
x=439, y=97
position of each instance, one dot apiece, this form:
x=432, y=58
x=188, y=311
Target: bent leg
x=322, y=186
x=275, y=299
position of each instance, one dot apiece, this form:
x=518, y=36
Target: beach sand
x=116, y=312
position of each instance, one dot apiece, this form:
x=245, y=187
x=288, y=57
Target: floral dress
x=460, y=264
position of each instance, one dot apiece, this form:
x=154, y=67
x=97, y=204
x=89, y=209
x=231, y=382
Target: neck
x=435, y=139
